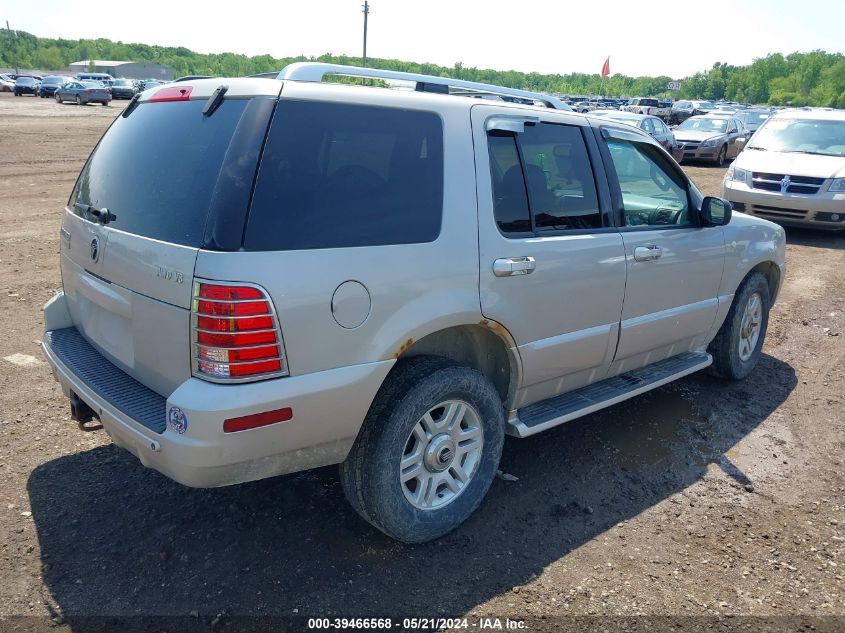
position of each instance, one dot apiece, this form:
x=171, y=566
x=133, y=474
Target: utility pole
x=366, y=10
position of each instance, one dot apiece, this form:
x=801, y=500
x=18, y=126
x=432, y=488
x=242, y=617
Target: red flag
x=605, y=70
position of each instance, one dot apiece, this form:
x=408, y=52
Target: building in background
x=130, y=70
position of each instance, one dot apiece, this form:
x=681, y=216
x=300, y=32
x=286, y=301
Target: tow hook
x=80, y=411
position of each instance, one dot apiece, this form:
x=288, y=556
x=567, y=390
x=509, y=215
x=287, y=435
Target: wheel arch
x=772, y=273
x=486, y=347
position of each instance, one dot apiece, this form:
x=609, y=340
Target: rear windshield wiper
x=103, y=216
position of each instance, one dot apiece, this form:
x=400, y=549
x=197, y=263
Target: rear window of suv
x=157, y=168
x=335, y=175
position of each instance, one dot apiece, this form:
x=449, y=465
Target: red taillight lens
x=235, y=333
x=229, y=293
x=232, y=308
x=88, y=92
x=236, y=340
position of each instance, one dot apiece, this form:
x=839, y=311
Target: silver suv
x=267, y=275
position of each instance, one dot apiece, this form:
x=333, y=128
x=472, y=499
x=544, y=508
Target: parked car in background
x=584, y=106
x=7, y=83
x=50, y=84
x=753, y=118
x=648, y=105
x=84, y=92
x=123, y=89
x=682, y=110
x=26, y=85
x=105, y=78
x=651, y=125
x=192, y=77
x=149, y=83
x=793, y=170
x=710, y=137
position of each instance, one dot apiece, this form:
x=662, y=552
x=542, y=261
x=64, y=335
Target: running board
x=574, y=404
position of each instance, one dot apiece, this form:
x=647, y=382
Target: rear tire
x=428, y=450
x=738, y=345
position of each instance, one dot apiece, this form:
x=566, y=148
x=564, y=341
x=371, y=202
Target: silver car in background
x=793, y=171
x=716, y=138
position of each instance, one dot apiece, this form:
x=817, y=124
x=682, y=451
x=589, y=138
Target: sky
x=649, y=37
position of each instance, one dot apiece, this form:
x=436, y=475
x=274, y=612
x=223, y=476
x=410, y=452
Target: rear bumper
x=328, y=410
x=824, y=210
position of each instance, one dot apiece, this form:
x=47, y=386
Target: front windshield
x=705, y=105
x=53, y=81
x=810, y=136
x=704, y=125
x=122, y=82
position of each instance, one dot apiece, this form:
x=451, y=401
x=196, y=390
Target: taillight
x=235, y=333
x=88, y=92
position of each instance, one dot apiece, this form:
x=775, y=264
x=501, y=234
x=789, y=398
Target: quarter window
x=335, y=175
x=550, y=163
x=651, y=194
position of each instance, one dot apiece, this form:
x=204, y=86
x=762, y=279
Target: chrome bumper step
x=575, y=404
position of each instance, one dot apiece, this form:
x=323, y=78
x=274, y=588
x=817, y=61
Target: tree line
x=814, y=78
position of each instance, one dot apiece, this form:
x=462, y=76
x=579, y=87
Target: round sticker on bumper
x=177, y=420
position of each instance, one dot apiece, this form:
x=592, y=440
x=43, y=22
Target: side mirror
x=715, y=211
x=740, y=142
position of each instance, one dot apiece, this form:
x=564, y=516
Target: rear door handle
x=509, y=266
x=647, y=253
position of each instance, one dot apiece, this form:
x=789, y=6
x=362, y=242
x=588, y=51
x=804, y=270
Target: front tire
x=739, y=343
x=58, y=98
x=721, y=156
x=78, y=100
x=428, y=450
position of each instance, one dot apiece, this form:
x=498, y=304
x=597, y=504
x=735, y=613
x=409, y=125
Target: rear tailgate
x=165, y=181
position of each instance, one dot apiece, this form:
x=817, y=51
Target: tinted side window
x=510, y=200
x=561, y=188
x=550, y=163
x=336, y=175
x=650, y=194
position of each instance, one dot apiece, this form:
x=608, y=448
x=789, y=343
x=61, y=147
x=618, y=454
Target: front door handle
x=647, y=253
x=509, y=266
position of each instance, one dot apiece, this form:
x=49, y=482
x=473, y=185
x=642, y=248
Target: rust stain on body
x=495, y=327
x=404, y=347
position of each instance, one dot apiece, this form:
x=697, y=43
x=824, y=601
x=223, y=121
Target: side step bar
x=575, y=404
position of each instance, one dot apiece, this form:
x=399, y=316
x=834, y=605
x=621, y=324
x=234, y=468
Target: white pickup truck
x=649, y=105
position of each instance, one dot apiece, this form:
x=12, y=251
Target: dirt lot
x=700, y=499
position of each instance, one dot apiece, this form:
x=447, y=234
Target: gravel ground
x=716, y=505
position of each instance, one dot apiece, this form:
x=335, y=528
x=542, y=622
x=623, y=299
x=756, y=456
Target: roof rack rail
x=316, y=71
